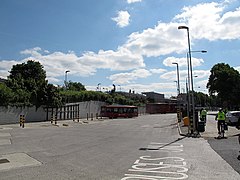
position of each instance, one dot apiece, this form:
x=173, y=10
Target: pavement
x=210, y=128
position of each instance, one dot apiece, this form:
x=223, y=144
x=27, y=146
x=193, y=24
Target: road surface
x=146, y=147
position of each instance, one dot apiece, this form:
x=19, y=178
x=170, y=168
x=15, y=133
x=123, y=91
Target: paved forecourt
x=147, y=147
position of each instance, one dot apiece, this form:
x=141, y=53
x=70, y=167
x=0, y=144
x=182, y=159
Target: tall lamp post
x=179, y=113
x=193, y=119
x=66, y=78
x=178, y=85
x=99, y=86
x=202, y=51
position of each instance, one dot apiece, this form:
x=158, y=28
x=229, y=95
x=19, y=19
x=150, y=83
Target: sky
x=129, y=43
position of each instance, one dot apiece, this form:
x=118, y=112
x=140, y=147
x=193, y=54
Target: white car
x=232, y=117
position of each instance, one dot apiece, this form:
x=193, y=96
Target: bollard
x=55, y=119
x=20, y=120
x=91, y=116
x=96, y=115
x=179, y=115
x=87, y=116
x=52, y=119
x=23, y=121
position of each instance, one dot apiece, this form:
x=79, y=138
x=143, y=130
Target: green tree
x=225, y=82
x=6, y=95
x=28, y=82
x=52, y=96
x=75, y=86
x=201, y=99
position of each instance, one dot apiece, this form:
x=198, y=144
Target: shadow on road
x=165, y=145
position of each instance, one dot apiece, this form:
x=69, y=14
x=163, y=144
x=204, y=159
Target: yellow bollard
x=55, y=119
x=23, y=121
x=186, y=121
x=51, y=119
x=20, y=120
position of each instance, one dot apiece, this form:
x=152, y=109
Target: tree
x=52, y=96
x=28, y=78
x=6, y=95
x=225, y=82
x=75, y=86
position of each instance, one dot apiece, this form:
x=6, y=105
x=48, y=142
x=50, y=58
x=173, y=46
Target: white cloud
x=182, y=62
x=206, y=21
x=133, y=1
x=122, y=19
x=183, y=74
x=6, y=65
x=56, y=63
x=125, y=78
x=237, y=68
x=157, y=71
x=164, y=88
x=122, y=59
x=210, y=21
x=160, y=40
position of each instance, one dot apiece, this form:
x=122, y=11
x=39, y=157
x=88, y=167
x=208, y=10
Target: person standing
x=220, y=120
x=203, y=115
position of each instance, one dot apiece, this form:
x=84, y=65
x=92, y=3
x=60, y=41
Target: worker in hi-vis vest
x=203, y=115
x=220, y=119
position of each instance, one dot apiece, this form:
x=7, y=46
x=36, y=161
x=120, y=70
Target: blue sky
x=129, y=43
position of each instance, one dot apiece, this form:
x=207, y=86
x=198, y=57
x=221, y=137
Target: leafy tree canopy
x=225, y=82
x=75, y=86
x=30, y=87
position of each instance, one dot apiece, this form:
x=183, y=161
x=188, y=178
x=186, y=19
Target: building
x=154, y=97
x=159, y=104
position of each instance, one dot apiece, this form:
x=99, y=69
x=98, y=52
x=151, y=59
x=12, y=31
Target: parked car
x=232, y=117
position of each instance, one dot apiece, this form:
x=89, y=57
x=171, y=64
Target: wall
x=10, y=115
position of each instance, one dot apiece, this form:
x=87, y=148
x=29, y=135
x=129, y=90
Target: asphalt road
x=228, y=148
x=147, y=147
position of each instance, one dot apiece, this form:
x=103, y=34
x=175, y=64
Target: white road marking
x=157, y=168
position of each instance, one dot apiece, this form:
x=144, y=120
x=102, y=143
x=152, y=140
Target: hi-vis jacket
x=221, y=116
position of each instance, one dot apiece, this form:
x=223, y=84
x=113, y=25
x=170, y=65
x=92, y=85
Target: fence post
x=78, y=112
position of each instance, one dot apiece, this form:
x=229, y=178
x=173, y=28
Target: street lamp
x=178, y=85
x=99, y=87
x=202, y=51
x=66, y=78
x=193, y=122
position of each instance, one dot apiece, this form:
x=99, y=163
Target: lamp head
x=183, y=27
